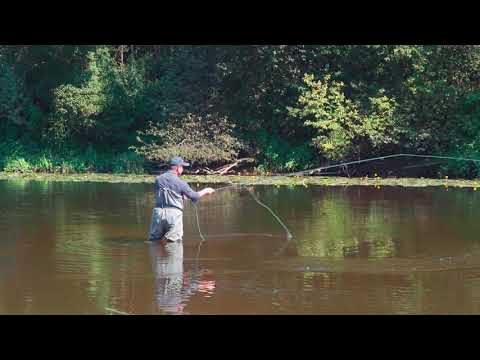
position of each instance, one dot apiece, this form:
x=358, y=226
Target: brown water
x=79, y=248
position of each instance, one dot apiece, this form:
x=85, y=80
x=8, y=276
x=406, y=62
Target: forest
x=128, y=108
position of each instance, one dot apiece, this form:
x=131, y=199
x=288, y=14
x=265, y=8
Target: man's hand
x=209, y=190
x=206, y=191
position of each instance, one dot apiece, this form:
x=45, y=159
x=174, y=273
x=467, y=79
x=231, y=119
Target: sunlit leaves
x=343, y=126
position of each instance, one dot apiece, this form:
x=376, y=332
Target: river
x=79, y=248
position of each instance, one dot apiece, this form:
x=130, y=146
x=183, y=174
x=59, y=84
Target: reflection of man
x=167, y=263
x=166, y=234
x=173, y=286
x=167, y=216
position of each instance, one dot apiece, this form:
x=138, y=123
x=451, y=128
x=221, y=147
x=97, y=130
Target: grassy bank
x=248, y=180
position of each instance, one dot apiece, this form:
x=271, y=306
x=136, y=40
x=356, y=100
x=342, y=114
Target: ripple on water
x=87, y=251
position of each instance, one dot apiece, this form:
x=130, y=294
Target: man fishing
x=167, y=217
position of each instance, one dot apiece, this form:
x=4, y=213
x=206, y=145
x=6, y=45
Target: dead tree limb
x=226, y=168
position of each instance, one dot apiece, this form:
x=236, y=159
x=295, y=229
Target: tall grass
x=16, y=157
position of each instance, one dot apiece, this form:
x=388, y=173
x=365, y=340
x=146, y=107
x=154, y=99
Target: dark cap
x=178, y=161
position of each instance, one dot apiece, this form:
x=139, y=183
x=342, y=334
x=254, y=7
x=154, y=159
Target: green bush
x=18, y=165
x=345, y=127
x=17, y=157
x=105, y=105
x=44, y=164
x=280, y=156
x=200, y=138
x=128, y=163
x=12, y=101
x=464, y=138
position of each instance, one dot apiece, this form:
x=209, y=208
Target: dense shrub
x=201, y=139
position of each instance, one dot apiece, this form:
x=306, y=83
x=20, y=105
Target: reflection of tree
x=364, y=221
x=462, y=297
x=363, y=293
x=459, y=208
x=340, y=226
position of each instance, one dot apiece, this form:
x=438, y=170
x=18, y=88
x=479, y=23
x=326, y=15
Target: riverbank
x=249, y=180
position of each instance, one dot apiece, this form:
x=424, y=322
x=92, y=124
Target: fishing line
x=344, y=165
x=198, y=226
x=377, y=158
x=289, y=235
x=227, y=187
x=198, y=223
x=201, y=236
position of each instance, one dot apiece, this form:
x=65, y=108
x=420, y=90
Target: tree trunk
x=121, y=54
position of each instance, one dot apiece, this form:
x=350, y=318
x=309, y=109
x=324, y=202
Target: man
x=167, y=216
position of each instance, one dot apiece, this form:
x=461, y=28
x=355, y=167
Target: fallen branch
x=204, y=170
x=226, y=168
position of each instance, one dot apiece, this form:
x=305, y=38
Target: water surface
x=79, y=248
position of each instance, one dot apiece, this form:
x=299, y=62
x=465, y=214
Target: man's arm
x=194, y=195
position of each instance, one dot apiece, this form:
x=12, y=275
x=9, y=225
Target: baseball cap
x=177, y=161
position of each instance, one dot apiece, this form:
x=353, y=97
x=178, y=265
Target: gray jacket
x=170, y=189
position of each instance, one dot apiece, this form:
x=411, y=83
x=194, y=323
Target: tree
x=343, y=128
x=204, y=139
x=17, y=113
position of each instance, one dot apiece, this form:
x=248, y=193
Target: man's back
x=170, y=189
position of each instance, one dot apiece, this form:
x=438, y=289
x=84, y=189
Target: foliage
x=102, y=107
x=202, y=139
x=82, y=107
x=17, y=113
x=17, y=165
x=344, y=129
x=280, y=156
x=15, y=157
